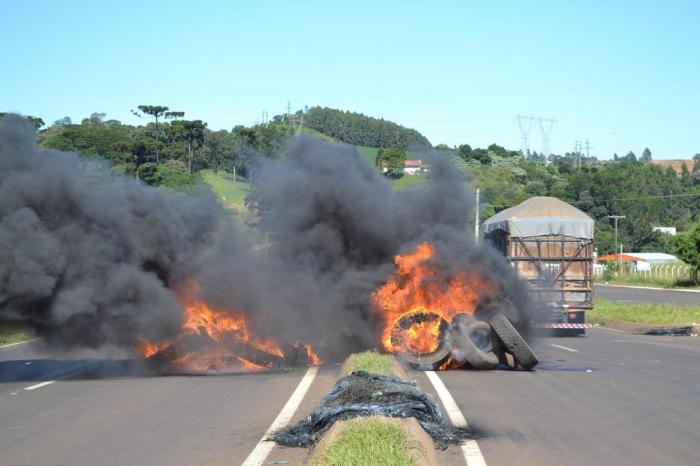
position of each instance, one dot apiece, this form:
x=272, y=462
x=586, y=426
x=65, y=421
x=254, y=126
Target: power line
x=668, y=196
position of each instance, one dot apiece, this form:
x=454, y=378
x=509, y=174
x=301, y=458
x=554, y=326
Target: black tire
x=420, y=361
x=513, y=342
x=471, y=343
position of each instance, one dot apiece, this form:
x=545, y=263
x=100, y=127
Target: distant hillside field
x=231, y=194
x=676, y=164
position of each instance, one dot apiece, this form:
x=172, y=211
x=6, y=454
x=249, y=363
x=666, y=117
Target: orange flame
x=222, y=341
x=421, y=285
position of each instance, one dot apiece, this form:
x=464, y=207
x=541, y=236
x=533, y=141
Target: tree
x=36, y=122
x=497, y=150
x=464, y=151
x=391, y=161
x=157, y=111
x=630, y=157
x=687, y=248
x=65, y=121
x=646, y=155
x=192, y=132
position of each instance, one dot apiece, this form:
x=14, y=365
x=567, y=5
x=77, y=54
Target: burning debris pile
x=221, y=341
x=431, y=316
x=94, y=259
x=364, y=394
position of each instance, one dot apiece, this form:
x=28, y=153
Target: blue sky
x=624, y=74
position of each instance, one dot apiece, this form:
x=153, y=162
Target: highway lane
x=646, y=296
x=607, y=398
x=111, y=413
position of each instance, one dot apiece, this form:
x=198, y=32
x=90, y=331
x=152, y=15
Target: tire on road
x=470, y=342
x=420, y=361
x=513, y=342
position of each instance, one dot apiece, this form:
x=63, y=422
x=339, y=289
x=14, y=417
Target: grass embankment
x=369, y=361
x=655, y=282
x=605, y=311
x=370, y=440
x=13, y=332
x=232, y=194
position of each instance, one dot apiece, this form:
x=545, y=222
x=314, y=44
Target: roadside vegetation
x=13, y=332
x=370, y=440
x=605, y=311
x=232, y=194
x=170, y=149
x=369, y=361
x=658, y=282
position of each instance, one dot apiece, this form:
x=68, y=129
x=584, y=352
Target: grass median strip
x=605, y=311
x=370, y=440
x=369, y=361
x=13, y=332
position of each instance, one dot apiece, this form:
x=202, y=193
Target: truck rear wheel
x=513, y=342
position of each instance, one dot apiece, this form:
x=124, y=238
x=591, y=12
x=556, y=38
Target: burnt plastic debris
x=672, y=331
x=364, y=394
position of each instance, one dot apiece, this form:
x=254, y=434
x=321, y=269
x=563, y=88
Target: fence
x=669, y=271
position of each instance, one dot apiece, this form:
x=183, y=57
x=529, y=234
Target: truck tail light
x=572, y=316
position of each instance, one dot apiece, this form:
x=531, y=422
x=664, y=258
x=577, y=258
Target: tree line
x=360, y=130
x=169, y=150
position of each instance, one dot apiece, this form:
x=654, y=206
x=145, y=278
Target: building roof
x=621, y=257
x=655, y=256
x=413, y=163
x=542, y=216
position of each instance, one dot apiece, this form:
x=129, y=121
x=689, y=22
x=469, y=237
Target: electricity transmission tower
x=545, y=124
x=525, y=125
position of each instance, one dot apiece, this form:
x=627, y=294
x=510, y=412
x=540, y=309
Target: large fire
x=218, y=340
x=421, y=299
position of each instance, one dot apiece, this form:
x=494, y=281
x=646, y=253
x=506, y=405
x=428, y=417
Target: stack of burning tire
x=465, y=342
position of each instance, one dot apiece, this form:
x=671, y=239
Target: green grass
x=371, y=440
x=369, y=361
x=653, y=314
x=659, y=282
x=231, y=194
x=13, y=332
x=318, y=134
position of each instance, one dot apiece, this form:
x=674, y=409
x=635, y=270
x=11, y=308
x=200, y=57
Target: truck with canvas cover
x=550, y=245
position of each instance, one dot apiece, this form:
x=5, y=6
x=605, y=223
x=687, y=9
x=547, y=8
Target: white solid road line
x=39, y=385
x=565, y=348
x=264, y=447
x=470, y=449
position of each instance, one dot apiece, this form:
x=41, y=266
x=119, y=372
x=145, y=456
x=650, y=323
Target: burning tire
x=469, y=341
x=514, y=343
x=414, y=352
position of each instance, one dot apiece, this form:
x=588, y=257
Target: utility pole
x=616, y=218
x=476, y=221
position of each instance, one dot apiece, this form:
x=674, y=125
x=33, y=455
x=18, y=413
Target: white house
x=412, y=167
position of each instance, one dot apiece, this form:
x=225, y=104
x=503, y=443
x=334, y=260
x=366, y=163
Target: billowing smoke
x=91, y=258
x=88, y=257
x=335, y=226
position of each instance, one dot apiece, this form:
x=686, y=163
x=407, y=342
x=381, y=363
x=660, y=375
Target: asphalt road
x=645, y=296
x=607, y=398
x=618, y=399
x=112, y=413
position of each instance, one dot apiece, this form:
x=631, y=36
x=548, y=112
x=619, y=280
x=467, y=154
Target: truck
x=549, y=243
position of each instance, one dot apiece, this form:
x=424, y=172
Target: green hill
x=361, y=130
x=231, y=194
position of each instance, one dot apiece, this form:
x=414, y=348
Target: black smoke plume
x=87, y=257
x=91, y=258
